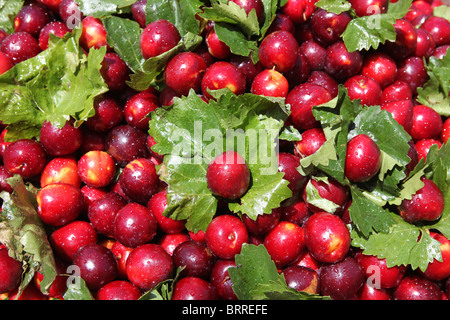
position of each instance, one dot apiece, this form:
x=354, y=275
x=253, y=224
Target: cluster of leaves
x=376, y=226
x=191, y=132
x=58, y=84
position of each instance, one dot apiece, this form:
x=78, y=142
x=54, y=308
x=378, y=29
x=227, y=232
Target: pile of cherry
x=112, y=226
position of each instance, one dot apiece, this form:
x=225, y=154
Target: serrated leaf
x=102, y=8
x=389, y=136
x=8, y=11
x=364, y=33
x=23, y=233
x=434, y=93
x=334, y=6
x=404, y=244
x=270, y=10
x=182, y=13
x=62, y=83
x=192, y=132
x=255, y=277
x=230, y=12
x=442, y=11
x=188, y=196
x=124, y=36
x=367, y=216
x=77, y=290
x=368, y=32
x=235, y=39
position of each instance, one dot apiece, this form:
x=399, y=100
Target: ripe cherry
x=341, y=280
x=340, y=63
x=97, y=265
x=327, y=27
x=299, y=11
x=363, y=158
x=20, y=46
x=126, y=143
x=61, y=170
x=270, y=83
x=327, y=237
x=228, y=175
x=427, y=204
x=225, y=236
x=59, y=204
x=427, y=123
x=138, y=107
x=56, y=28
x=302, y=279
x=103, y=211
x=25, y=157
x=31, y=18
x=380, y=67
x=364, y=88
x=10, y=271
x=217, y=48
x=93, y=34
x=416, y=287
x=147, y=265
x=134, y=225
x=157, y=205
x=60, y=141
x=195, y=257
x=221, y=280
x=302, y=99
x=278, y=50
x=285, y=242
x=158, y=37
x=312, y=140
x=184, y=72
x=118, y=290
x=96, y=168
x=221, y=75
x=194, y=288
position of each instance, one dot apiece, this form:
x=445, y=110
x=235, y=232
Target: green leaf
x=23, y=233
x=235, y=39
x=124, y=36
x=255, y=277
x=368, y=216
x=442, y=11
x=387, y=133
x=192, y=132
x=8, y=11
x=270, y=10
x=368, y=32
x=235, y=28
x=364, y=33
x=77, y=290
x=290, y=133
x=182, y=13
x=230, y=12
x=102, y=8
x=434, y=93
x=58, y=84
x=404, y=244
x=334, y=6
